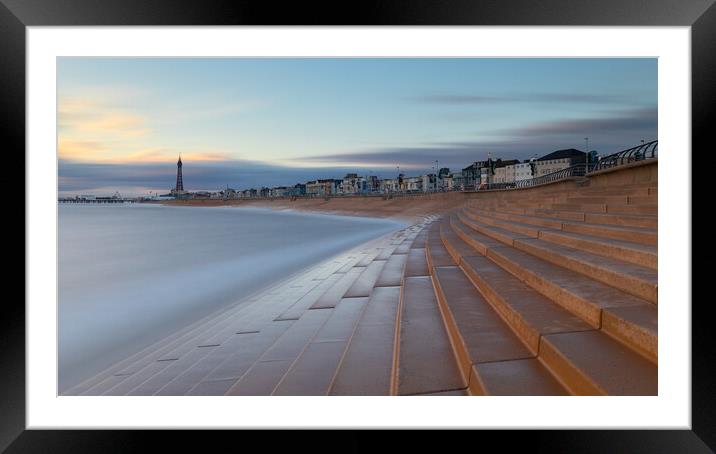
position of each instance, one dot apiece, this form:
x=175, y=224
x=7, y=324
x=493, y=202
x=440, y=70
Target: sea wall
x=644, y=172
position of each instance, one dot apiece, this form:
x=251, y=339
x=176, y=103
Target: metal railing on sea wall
x=577, y=170
x=649, y=150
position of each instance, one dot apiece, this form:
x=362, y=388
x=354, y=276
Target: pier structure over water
x=545, y=290
x=93, y=199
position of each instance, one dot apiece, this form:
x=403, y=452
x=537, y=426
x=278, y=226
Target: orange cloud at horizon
x=93, y=130
x=87, y=151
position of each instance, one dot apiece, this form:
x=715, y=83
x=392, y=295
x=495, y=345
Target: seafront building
x=559, y=160
x=523, y=171
x=505, y=171
x=477, y=176
x=413, y=184
x=430, y=182
x=472, y=174
x=324, y=187
x=389, y=185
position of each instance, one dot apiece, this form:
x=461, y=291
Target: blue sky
x=250, y=122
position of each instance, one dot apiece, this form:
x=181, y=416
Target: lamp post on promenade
x=586, y=145
x=398, y=179
x=437, y=175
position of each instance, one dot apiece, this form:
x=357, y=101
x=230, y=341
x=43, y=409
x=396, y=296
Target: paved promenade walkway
x=328, y=330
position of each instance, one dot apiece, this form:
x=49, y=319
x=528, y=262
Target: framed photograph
x=415, y=216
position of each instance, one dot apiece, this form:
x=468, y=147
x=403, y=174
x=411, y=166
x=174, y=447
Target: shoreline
x=408, y=209
x=320, y=253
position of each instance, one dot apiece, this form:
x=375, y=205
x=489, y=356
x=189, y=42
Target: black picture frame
x=16, y=15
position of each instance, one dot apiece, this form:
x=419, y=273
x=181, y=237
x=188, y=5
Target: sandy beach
x=410, y=209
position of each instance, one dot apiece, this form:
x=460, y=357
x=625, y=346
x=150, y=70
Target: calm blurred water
x=132, y=274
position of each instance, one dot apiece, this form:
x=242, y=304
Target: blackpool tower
x=180, y=182
x=178, y=191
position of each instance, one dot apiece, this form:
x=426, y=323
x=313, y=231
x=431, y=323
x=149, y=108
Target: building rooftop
x=563, y=154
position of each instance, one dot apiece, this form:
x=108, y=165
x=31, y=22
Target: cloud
x=458, y=99
x=635, y=120
x=610, y=134
x=96, y=115
x=81, y=149
x=113, y=123
x=94, y=129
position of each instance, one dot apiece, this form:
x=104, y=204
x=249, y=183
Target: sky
x=252, y=122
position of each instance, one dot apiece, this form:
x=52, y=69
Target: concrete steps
x=628, y=190
x=639, y=235
x=367, y=365
x=526, y=229
x=625, y=275
x=532, y=316
x=627, y=220
x=480, y=336
x=634, y=279
x=591, y=363
x=425, y=358
x=633, y=209
x=358, y=332
x=502, y=233
x=529, y=313
x=400, y=344
x=639, y=254
x=579, y=295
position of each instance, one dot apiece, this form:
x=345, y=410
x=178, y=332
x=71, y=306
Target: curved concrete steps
x=576, y=292
x=532, y=317
x=635, y=279
x=582, y=236
x=639, y=235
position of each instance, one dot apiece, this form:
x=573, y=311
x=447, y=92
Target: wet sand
x=410, y=209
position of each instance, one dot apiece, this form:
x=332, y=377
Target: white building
x=413, y=184
x=280, y=191
x=458, y=181
x=353, y=184
x=430, y=182
x=389, y=185
x=324, y=187
x=499, y=176
x=446, y=183
x=523, y=171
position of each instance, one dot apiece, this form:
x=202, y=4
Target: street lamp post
x=437, y=175
x=586, y=145
x=398, y=179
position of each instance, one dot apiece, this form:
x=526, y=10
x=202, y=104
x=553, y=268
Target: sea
x=131, y=274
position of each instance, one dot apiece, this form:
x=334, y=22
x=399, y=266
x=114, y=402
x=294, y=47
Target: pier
x=95, y=200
